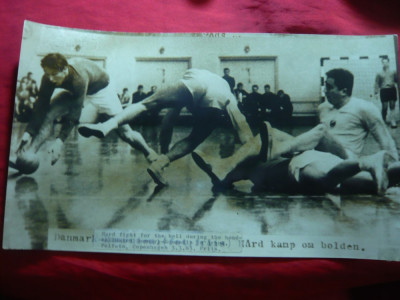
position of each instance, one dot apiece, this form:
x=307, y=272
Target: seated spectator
x=124, y=97
x=251, y=107
x=139, y=95
x=24, y=104
x=240, y=94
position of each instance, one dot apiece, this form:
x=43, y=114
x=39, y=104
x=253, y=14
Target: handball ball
x=27, y=162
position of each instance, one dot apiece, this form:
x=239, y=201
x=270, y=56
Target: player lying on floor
x=346, y=122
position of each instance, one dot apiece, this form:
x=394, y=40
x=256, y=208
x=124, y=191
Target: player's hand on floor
x=55, y=151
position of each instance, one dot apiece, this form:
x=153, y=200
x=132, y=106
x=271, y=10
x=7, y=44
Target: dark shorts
x=388, y=94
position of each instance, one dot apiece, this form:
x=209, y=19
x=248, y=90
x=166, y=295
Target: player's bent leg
x=384, y=109
x=377, y=165
x=156, y=169
x=176, y=95
x=61, y=105
x=167, y=126
x=205, y=121
x=329, y=144
x=306, y=141
x=257, y=148
x=392, y=106
x=136, y=140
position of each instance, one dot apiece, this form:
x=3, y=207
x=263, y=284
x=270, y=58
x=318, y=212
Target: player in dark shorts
x=385, y=85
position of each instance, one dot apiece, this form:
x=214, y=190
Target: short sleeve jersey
x=352, y=123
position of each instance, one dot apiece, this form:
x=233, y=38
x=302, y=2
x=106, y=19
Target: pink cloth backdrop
x=66, y=275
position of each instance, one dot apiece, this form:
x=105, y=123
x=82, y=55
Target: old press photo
x=211, y=144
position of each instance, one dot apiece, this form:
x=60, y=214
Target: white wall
x=298, y=56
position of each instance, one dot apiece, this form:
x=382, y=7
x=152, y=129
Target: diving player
x=84, y=97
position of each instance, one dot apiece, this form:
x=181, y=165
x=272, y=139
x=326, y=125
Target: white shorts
x=324, y=162
x=208, y=89
x=103, y=102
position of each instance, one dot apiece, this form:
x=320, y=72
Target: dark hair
x=280, y=92
x=254, y=85
x=239, y=84
x=140, y=86
x=344, y=79
x=55, y=61
x=267, y=85
x=226, y=69
x=385, y=58
x=125, y=90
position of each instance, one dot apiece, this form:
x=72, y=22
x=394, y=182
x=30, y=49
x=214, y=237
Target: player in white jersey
x=207, y=96
x=345, y=122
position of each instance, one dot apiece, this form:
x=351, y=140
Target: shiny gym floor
x=104, y=184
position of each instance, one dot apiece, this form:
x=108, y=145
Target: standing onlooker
x=229, y=79
x=385, y=85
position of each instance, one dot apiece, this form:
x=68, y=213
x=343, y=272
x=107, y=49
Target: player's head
x=338, y=86
x=254, y=88
x=240, y=86
x=55, y=66
x=267, y=88
x=140, y=88
x=154, y=88
x=385, y=61
x=280, y=93
x=226, y=71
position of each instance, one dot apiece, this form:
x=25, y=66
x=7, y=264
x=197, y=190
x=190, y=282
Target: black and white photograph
x=211, y=144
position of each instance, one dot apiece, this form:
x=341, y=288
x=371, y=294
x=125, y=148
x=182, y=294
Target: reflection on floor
x=104, y=184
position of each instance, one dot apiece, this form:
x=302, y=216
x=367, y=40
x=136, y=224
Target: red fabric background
x=64, y=275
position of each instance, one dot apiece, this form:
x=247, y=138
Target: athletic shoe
x=200, y=160
x=156, y=168
x=99, y=130
x=377, y=165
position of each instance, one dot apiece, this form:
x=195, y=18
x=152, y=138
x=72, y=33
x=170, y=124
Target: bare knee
x=311, y=174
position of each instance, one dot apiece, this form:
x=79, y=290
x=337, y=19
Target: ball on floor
x=27, y=162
